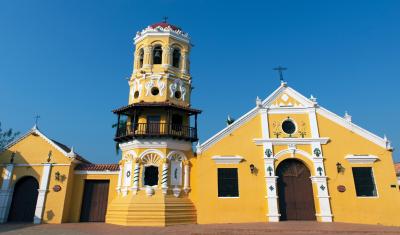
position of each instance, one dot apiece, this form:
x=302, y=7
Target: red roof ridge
x=97, y=167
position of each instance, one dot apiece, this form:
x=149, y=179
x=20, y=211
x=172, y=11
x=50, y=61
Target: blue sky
x=68, y=60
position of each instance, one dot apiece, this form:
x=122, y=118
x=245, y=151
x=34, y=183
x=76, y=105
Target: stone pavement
x=282, y=228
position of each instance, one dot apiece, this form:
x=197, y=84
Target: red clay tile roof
x=67, y=149
x=155, y=104
x=164, y=25
x=97, y=167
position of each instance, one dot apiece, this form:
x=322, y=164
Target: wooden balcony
x=156, y=130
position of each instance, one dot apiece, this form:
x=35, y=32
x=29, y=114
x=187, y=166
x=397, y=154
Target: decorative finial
x=198, y=148
x=229, y=120
x=347, y=117
x=314, y=100
x=388, y=143
x=71, y=152
x=258, y=102
x=165, y=18
x=280, y=70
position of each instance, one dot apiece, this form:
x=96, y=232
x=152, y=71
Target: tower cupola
x=160, y=85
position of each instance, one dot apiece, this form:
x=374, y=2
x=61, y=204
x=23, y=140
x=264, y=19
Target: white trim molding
x=43, y=189
x=307, y=105
x=227, y=130
x=361, y=159
x=284, y=141
x=35, y=131
x=227, y=159
x=154, y=144
x=6, y=193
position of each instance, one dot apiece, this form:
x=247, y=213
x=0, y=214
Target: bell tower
x=155, y=132
x=161, y=66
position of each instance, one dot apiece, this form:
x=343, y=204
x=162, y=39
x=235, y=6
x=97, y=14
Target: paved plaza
x=284, y=228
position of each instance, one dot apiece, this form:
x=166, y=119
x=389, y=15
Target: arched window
x=150, y=175
x=141, y=58
x=176, y=57
x=157, y=55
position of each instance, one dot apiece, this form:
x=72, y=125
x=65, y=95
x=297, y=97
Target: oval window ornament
x=288, y=127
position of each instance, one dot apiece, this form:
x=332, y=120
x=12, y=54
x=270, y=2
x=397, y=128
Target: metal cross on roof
x=165, y=18
x=280, y=70
x=36, y=119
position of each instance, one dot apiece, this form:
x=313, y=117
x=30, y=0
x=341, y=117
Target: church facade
x=288, y=158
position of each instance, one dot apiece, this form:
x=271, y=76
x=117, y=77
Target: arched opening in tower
x=150, y=175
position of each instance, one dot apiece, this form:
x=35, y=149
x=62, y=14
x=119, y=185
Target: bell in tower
x=155, y=133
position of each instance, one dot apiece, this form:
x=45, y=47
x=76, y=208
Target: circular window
x=288, y=127
x=155, y=91
x=136, y=94
x=178, y=94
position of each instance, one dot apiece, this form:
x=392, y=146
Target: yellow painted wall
x=34, y=150
x=346, y=207
x=251, y=204
x=78, y=188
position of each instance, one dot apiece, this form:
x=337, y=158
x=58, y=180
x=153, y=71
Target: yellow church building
x=288, y=158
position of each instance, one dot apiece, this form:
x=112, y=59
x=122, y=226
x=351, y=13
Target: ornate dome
x=164, y=25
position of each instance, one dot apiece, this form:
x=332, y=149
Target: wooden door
x=23, y=204
x=296, y=201
x=94, y=202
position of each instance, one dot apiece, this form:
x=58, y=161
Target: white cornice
x=307, y=104
x=361, y=159
x=35, y=131
x=227, y=130
x=160, y=31
x=227, y=159
x=354, y=128
x=280, y=141
x=153, y=144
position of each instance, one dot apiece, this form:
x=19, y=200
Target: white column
x=44, y=183
x=148, y=57
x=135, y=186
x=184, y=62
x=269, y=169
x=6, y=193
x=320, y=179
x=186, y=182
x=126, y=178
x=119, y=180
x=166, y=56
x=164, y=181
x=323, y=197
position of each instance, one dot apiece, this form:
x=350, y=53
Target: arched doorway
x=296, y=201
x=24, y=199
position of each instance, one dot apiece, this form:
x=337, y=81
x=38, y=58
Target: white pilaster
x=126, y=178
x=184, y=62
x=43, y=189
x=135, y=186
x=6, y=193
x=164, y=181
x=186, y=182
x=323, y=197
x=118, y=189
x=320, y=177
x=269, y=169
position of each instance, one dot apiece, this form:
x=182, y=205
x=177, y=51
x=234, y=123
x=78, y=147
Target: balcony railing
x=148, y=130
